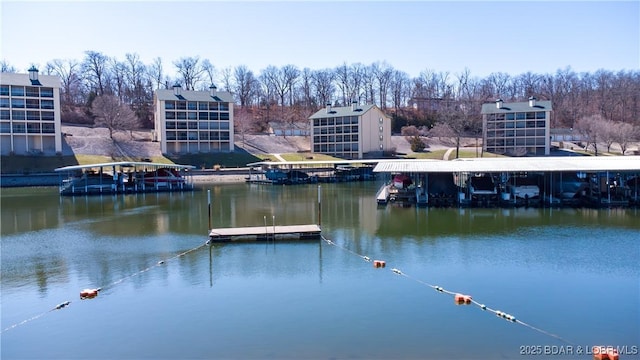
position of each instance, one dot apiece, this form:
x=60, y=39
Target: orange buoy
x=89, y=293
x=379, y=263
x=462, y=299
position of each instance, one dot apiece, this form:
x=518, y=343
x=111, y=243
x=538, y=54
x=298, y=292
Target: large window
x=17, y=90
x=17, y=103
x=4, y=90
x=47, y=116
x=32, y=91
x=33, y=115
x=17, y=114
x=46, y=92
x=46, y=104
x=33, y=128
x=33, y=104
x=48, y=128
x=19, y=128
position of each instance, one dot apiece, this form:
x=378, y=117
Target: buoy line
x=458, y=297
x=57, y=307
x=93, y=292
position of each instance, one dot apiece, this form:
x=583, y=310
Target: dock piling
x=319, y=205
x=209, y=207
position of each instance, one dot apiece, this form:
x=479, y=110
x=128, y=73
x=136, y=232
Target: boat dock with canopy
x=124, y=177
x=600, y=181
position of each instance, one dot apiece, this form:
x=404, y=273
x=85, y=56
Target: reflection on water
x=308, y=299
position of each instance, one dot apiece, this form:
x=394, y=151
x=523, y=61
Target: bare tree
x=443, y=132
x=290, y=75
x=323, y=85
x=5, y=67
x=590, y=129
x=245, y=84
x=156, y=72
x=209, y=70
x=227, y=76
x=383, y=73
x=306, y=87
x=119, y=71
x=96, y=70
x=242, y=120
x=276, y=80
x=67, y=70
x=190, y=71
x=624, y=134
x=113, y=114
x=400, y=86
x=344, y=84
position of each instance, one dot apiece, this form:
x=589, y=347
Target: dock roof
x=509, y=164
x=124, y=164
x=314, y=162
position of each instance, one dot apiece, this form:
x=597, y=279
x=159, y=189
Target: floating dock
x=263, y=233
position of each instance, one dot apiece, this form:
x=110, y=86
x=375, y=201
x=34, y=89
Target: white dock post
x=319, y=205
x=209, y=207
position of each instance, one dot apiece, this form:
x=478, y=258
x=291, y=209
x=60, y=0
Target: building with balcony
x=30, y=114
x=351, y=132
x=193, y=121
x=517, y=129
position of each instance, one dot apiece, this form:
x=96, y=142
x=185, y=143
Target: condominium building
x=517, y=129
x=350, y=132
x=30, y=114
x=194, y=121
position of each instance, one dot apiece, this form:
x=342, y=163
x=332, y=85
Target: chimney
x=354, y=105
x=499, y=103
x=177, y=89
x=328, y=108
x=532, y=101
x=212, y=90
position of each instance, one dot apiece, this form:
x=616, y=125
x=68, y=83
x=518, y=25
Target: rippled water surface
x=573, y=274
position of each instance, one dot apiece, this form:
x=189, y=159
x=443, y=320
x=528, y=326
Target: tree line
x=290, y=94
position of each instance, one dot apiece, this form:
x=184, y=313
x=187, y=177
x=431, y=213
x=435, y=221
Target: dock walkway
x=269, y=232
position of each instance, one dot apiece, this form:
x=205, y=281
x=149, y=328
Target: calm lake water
x=573, y=273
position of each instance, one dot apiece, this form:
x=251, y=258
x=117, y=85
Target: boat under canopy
x=124, y=177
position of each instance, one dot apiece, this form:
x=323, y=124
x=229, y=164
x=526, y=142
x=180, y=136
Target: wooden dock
x=263, y=233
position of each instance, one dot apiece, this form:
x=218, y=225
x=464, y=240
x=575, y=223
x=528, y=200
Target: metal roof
x=187, y=95
x=23, y=79
x=491, y=108
x=342, y=111
x=124, y=164
x=504, y=164
x=314, y=162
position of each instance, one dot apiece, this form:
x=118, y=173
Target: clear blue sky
x=485, y=37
